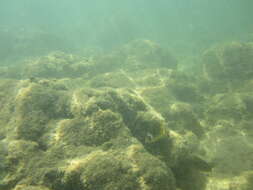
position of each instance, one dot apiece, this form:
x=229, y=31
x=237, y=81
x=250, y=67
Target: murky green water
x=126, y=95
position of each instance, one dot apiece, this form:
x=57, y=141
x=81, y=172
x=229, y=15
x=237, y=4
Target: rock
x=229, y=64
x=55, y=65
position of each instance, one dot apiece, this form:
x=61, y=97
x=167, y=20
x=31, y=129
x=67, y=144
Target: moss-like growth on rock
x=36, y=105
x=148, y=54
x=7, y=93
x=249, y=185
x=228, y=106
x=228, y=66
x=154, y=134
x=112, y=174
x=112, y=80
x=183, y=87
x=41, y=98
x=101, y=127
x=30, y=187
x=182, y=117
x=56, y=65
x=127, y=120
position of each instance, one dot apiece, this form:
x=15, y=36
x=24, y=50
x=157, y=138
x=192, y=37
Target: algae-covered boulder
x=135, y=55
x=56, y=65
x=183, y=87
x=108, y=62
x=113, y=80
x=92, y=139
x=129, y=169
x=158, y=97
x=232, y=154
x=189, y=167
x=227, y=183
x=99, y=128
x=182, y=117
x=128, y=119
x=7, y=94
x=143, y=123
x=249, y=181
x=237, y=60
x=231, y=62
x=30, y=187
x=148, y=54
x=3, y=160
x=227, y=67
x=36, y=105
x=183, y=91
x=228, y=106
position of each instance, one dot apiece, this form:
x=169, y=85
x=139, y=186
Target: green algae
x=116, y=128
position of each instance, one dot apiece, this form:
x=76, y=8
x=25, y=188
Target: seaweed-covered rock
x=99, y=128
x=56, y=65
x=182, y=117
x=234, y=183
x=158, y=97
x=183, y=91
x=3, y=159
x=229, y=63
x=30, y=187
x=183, y=87
x=112, y=80
x=114, y=173
x=137, y=55
x=237, y=60
x=228, y=106
x=7, y=93
x=154, y=135
x=112, y=137
x=36, y=105
x=109, y=62
x=126, y=102
x=249, y=177
x=189, y=165
x=229, y=148
x=20, y=154
x=147, y=54
x=130, y=169
x=125, y=120
x=43, y=96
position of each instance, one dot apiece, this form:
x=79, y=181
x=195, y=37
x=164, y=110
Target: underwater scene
x=126, y=95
